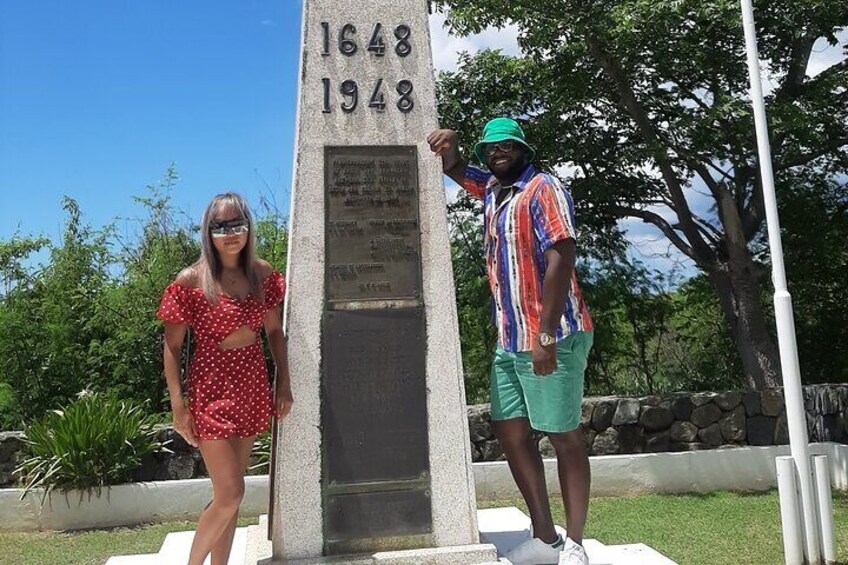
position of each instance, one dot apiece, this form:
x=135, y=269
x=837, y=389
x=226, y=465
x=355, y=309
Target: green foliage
x=47, y=322
x=129, y=357
x=86, y=319
x=814, y=217
x=646, y=105
x=96, y=441
x=654, y=334
x=477, y=333
x=261, y=454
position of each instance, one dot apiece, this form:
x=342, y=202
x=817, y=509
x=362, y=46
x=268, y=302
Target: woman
x=225, y=298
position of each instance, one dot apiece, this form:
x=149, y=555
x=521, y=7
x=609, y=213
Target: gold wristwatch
x=546, y=339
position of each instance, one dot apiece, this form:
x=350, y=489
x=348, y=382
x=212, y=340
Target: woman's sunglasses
x=234, y=227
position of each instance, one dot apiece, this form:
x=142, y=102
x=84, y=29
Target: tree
x=477, y=332
x=814, y=214
x=130, y=355
x=647, y=103
x=48, y=325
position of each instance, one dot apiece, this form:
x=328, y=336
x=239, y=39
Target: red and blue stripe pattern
x=536, y=214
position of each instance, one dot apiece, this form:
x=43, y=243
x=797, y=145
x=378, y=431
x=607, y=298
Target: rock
x=606, y=442
x=546, y=448
x=711, y=435
x=658, y=442
x=626, y=413
x=175, y=442
x=589, y=439
x=733, y=425
x=727, y=401
x=147, y=470
x=480, y=422
x=706, y=414
x=254, y=467
x=781, y=430
x=683, y=432
x=652, y=400
x=761, y=430
x=753, y=403
x=772, y=402
x=177, y=466
x=830, y=428
x=492, y=451
x=828, y=400
x=681, y=407
x=475, y=453
x=11, y=443
x=809, y=396
x=586, y=411
x=656, y=418
x=630, y=439
x=701, y=398
x=603, y=414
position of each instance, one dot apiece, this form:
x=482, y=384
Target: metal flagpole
x=796, y=416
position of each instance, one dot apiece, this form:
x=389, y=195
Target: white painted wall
x=741, y=469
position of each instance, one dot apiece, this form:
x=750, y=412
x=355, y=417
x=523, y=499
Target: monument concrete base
x=500, y=528
x=259, y=552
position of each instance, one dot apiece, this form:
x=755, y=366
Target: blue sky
x=98, y=97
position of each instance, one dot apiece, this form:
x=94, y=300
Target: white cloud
x=446, y=47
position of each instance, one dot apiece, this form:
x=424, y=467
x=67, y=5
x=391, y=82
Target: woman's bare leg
x=222, y=547
x=223, y=461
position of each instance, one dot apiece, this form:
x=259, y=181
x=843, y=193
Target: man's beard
x=514, y=170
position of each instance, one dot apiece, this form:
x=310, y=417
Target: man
x=544, y=328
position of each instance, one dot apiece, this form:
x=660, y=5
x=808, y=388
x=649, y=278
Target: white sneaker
x=573, y=554
x=535, y=552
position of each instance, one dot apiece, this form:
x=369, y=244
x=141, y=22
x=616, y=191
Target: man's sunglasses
x=503, y=146
x=234, y=227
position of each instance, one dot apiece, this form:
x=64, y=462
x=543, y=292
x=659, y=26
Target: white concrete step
x=176, y=548
x=505, y=528
x=140, y=559
x=637, y=554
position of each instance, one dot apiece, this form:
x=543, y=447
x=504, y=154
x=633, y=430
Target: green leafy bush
x=96, y=441
x=260, y=456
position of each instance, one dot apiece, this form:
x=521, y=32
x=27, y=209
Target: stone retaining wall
x=673, y=422
x=685, y=422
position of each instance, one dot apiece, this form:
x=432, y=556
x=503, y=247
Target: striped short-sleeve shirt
x=537, y=213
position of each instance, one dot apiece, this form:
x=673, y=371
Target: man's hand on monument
x=544, y=359
x=442, y=141
x=445, y=144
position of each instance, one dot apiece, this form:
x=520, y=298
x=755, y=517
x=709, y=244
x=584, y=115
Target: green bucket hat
x=501, y=129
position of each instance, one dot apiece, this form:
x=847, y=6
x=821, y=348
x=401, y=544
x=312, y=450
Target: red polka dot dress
x=228, y=389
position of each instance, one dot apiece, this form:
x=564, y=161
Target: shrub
x=261, y=454
x=96, y=441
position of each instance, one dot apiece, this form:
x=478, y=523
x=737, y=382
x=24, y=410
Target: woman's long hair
x=209, y=265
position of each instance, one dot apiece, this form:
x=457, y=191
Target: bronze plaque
x=378, y=514
x=373, y=239
x=374, y=394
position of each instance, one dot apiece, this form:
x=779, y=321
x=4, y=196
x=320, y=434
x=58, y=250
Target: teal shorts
x=551, y=402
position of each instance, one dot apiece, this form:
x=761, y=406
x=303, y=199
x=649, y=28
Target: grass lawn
x=91, y=547
x=700, y=529
x=709, y=529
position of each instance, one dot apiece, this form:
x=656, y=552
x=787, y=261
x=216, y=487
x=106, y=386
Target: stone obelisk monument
x=375, y=457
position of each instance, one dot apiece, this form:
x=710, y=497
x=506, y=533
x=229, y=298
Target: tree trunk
x=740, y=300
